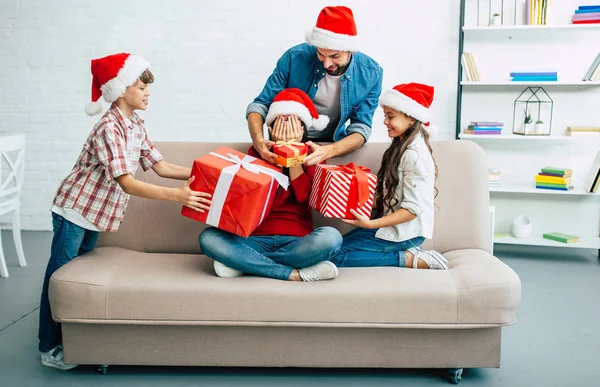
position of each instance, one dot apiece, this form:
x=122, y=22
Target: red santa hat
x=412, y=99
x=335, y=30
x=111, y=75
x=296, y=102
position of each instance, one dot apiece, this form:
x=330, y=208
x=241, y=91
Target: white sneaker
x=225, y=271
x=321, y=271
x=55, y=358
x=432, y=258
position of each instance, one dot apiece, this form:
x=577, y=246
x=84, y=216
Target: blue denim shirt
x=359, y=95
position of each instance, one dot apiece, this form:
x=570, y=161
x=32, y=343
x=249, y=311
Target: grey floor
x=555, y=342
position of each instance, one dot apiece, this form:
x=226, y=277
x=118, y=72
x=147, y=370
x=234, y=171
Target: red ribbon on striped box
x=337, y=189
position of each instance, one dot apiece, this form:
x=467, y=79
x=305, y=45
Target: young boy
x=94, y=196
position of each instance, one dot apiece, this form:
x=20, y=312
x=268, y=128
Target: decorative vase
x=527, y=129
x=496, y=20
x=521, y=227
x=539, y=128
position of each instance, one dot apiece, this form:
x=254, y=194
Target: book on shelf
x=586, y=131
x=562, y=171
x=592, y=69
x=538, y=11
x=486, y=123
x=552, y=179
x=561, y=237
x=483, y=132
x=592, y=180
x=471, y=67
x=465, y=66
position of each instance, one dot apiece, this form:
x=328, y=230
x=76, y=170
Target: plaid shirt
x=114, y=148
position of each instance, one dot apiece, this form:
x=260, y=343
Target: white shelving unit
x=516, y=137
x=522, y=83
x=538, y=240
x=569, y=50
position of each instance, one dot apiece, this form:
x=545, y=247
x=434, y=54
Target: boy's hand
x=193, y=199
x=360, y=220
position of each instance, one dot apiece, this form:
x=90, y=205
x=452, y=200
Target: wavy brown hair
x=387, y=177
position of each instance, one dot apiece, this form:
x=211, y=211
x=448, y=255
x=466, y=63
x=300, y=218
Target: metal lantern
x=532, y=114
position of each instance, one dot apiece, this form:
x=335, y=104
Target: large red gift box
x=242, y=188
x=290, y=153
x=337, y=189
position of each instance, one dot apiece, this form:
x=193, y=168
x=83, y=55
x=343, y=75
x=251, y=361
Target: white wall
x=210, y=59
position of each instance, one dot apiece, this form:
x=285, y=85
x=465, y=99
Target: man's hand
x=360, y=220
x=318, y=155
x=193, y=199
x=263, y=147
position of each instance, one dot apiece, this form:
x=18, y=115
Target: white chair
x=12, y=173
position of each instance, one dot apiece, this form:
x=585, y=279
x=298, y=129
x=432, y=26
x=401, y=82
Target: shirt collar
x=126, y=122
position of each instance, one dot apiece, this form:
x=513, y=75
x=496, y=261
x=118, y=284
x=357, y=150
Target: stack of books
x=469, y=65
x=583, y=131
x=484, y=127
x=593, y=73
x=587, y=14
x=535, y=76
x=494, y=176
x=537, y=11
x=554, y=178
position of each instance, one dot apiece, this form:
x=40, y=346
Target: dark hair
x=387, y=177
x=147, y=77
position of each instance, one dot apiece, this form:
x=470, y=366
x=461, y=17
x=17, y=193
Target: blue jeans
x=362, y=249
x=69, y=242
x=274, y=256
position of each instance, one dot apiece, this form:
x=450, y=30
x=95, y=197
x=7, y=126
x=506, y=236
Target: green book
x=558, y=171
x=551, y=185
x=560, y=237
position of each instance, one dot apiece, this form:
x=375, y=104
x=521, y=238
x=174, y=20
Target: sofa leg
x=103, y=369
x=454, y=375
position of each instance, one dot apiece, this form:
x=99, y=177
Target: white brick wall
x=210, y=59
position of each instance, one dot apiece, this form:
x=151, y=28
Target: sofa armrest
x=487, y=288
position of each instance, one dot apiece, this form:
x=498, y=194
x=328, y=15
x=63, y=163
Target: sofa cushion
x=114, y=284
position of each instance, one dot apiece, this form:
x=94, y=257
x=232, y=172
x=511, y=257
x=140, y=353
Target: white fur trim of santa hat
x=400, y=102
x=322, y=38
x=133, y=67
x=296, y=108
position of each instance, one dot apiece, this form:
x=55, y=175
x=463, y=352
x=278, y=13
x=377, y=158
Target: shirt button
x=315, y=85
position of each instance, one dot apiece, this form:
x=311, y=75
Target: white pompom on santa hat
x=412, y=99
x=111, y=75
x=335, y=30
x=295, y=102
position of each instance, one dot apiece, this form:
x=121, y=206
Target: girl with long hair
x=404, y=200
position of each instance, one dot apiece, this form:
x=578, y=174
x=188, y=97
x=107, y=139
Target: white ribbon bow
x=226, y=178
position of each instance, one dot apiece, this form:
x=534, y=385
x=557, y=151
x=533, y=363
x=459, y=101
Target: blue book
x=522, y=74
x=584, y=11
x=554, y=188
x=484, y=128
x=588, y=6
x=536, y=79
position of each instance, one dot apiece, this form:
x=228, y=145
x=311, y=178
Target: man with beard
x=343, y=83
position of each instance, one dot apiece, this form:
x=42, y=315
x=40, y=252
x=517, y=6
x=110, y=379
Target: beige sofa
x=146, y=295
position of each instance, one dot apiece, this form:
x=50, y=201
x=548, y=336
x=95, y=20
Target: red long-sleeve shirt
x=290, y=213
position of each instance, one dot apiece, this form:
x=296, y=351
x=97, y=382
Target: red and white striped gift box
x=337, y=189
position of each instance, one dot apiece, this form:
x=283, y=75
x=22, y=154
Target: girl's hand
x=360, y=220
x=295, y=125
x=277, y=132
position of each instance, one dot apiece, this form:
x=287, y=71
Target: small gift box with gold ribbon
x=290, y=153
